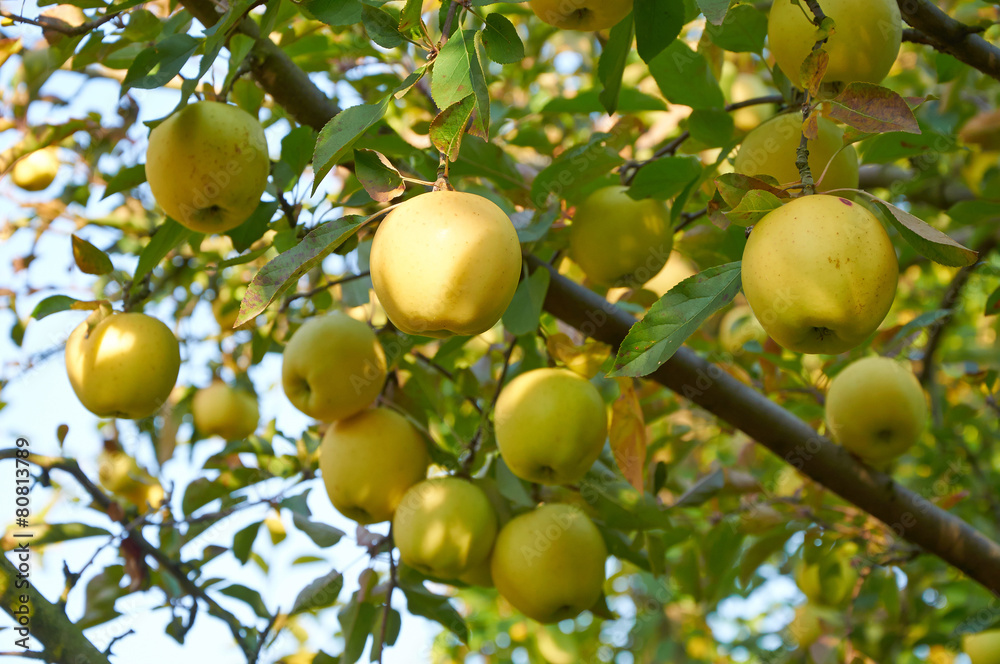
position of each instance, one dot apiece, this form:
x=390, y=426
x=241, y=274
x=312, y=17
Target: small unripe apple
x=549, y=563
x=771, y=149
x=618, y=241
x=444, y=527
x=122, y=365
x=583, y=15
x=36, y=170
x=368, y=462
x=207, y=165
x=221, y=410
x=863, y=47
x=738, y=327
x=550, y=426
x=982, y=648
x=445, y=263
x=876, y=409
x=333, y=367
x=820, y=274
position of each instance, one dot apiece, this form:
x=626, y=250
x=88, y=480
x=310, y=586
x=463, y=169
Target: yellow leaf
x=585, y=360
x=628, y=433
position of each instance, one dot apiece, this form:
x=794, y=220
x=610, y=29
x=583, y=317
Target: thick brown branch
x=913, y=517
x=949, y=36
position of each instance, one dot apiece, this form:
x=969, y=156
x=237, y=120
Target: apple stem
x=443, y=183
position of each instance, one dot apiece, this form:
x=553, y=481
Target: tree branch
x=913, y=517
x=949, y=36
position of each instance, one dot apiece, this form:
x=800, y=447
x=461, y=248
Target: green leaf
x=448, y=128
x=296, y=150
x=320, y=533
x=381, y=27
x=993, y=303
x=158, y=64
x=753, y=207
x=657, y=25
x=168, y=235
x=760, y=551
x=743, y=31
x=340, y=133
x=89, y=258
x=53, y=304
x=675, y=317
x=201, y=492
x=410, y=16
x=611, y=66
x=703, y=490
x=451, y=80
x=925, y=319
x=243, y=542
x=711, y=126
x=525, y=309
x=665, y=178
x=240, y=46
x=250, y=597
x=253, y=228
x=125, y=178
x=319, y=594
x=287, y=268
x=422, y=603
x=685, y=78
x=927, y=240
x=379, y=178
x=890, y=147
x=630, y=100
x=51, y=533
x=501, y=41
x=356, y=620
x=574, y=169
x=620, y=504
x=714, y=10
x=335, y=13
x=216, y=36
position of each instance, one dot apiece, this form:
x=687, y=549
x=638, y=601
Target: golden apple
x=828, y=581
x=207, y=166
x=444, y=527
x=122, y=365
x=770, y=149
x=226, y=306
x=982, y=648
x=676, y=270
x=368, y=462
x=445, y=263
x=333, y=367
x=36, y=170
x=583, y=15
x=738, y=327
x=863, y=47
x=876, y=409
x=549, y=563
x=221, y=410
x=618, y=241
x=750, y=86
x=550, y=426
x=123, y=478
x=820, y=274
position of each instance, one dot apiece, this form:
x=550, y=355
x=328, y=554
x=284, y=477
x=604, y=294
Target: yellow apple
x=863, y=47
x=829, y=581
x=550, y=426
x=221, y=410
x=122, y=477
x=806, y=627
x=122, y=365
x=982, y=648
x=36, y=170
x=333, y=367
x=207, y=165
x=820, y=274
x=444, y=527
x=549, y=563
x=618, y=241
x=770, y=149
x=368, y=462
x=750, y=86
x=876, y=409
x=676, y=270
x=738, y=327
x=583, y=15
x=445, y=263
x=226, y=306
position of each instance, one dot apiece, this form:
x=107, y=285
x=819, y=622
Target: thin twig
x=470, y=458
x=319, y=289
x=60, y=26
x=393, y=580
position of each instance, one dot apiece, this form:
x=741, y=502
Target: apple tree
x=462, y=330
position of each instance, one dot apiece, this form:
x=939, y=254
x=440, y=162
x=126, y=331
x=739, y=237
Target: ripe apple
x=221, y=410
x=368, y=461
x=828, y=581
x=770, y=149
x=36, y=170
x=122, y=365
x=549, y=563
x=876, y=409
x=207, y=165
x=982, y=648
x=122, y=477
x=618, y=241
x=739, y=326
x=863, y=47
x=445, y=263
x=226, y=306
x=583, y=15
x=333, y=367
x=444, y=527
x=820, y=274
x=550, y=426
x=676, y=270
